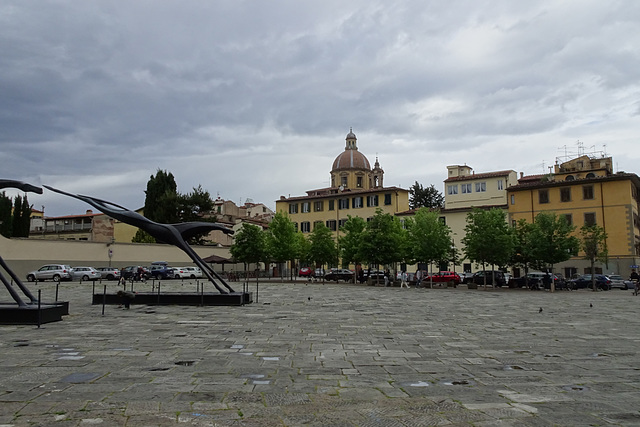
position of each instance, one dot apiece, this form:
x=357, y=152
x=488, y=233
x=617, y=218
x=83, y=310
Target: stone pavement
x=330, y=355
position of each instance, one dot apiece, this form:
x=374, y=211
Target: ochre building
x=357, y=189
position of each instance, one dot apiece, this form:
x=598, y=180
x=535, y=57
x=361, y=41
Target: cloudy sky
x=253, y=99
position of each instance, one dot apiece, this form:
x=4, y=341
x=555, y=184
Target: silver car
x=55, y=272
x=85, y=273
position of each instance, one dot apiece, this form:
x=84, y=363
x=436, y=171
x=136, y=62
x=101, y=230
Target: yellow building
x=356, y=189
x=586, y=191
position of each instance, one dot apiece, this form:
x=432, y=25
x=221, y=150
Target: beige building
x=465, y=190
x=357, y=189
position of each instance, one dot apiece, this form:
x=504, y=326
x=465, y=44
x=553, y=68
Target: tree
x=430, y=238
x=192, y=206
x=323, y=248
x=160, y=203
x=522, y=255
x=420, y=197
x=282, y=241
x=5, y=215
x=488, y=239
x=21, y=220
x=382, y=240
x=594, y=245
x=350, y=250
x=552, y=241
x=249, y=245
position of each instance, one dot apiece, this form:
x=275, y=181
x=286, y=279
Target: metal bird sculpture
x=10, y=183
x=173, y=234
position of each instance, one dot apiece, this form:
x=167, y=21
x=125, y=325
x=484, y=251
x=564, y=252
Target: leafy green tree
x=192, y=206
x=282, y=241
x=430, y=238
x=250, y=245
x=382, y=240
x=488, y=239
x=6, y=225
x=349, y=242
x=594, y=245
x=323, y=248
x=552, y=241
x=429, y=197
x=522, y=255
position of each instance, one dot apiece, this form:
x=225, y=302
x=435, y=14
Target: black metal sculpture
x=8, y=183
x=174, y=234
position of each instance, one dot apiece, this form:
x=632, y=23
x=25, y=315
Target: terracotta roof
x=351, y=159
x=579, y=181
x=479, y=176
x=346, y=193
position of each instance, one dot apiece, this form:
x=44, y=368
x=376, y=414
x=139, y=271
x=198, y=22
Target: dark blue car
x=602, y=282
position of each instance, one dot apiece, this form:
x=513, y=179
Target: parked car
x=584, y=281
x=55, y=272
x=135, y=272
x=443, y=277
x=619, y=282
x=161, y=270
x=109, y=273
x=497, y=275
x=374, y=273
x=536, y=279
x=187, y=272
x=85, y=273
x=306, y=272
x=466, y=277
x=319, y=272
x=339, y=274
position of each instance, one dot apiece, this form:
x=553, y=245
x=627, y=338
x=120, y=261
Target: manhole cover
x=185, y=362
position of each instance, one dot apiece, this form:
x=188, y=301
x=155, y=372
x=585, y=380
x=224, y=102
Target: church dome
x=351, y=158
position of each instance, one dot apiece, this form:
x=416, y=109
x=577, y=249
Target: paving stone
x=348, y=356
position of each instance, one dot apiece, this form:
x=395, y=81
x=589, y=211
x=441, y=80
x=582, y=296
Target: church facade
x=357, y=190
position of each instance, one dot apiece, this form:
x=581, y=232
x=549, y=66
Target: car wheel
x=31, y=278
x=56, y=278
x=85, y=277
x=177, y=276
x=110, y=277
x=193, y=276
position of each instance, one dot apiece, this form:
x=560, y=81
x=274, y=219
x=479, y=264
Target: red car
x=443, y=277
x=306, y=272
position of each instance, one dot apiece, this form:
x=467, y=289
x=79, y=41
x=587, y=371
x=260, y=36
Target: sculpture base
x=179, y=298
x=13, y=314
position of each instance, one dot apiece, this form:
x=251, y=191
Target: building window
x=343, y=181
x=591, y=175
x=343, y=204
x=569, y=178
x=316, y=224
x=293, y=208
x=590, y=218
x=442, y=220
x=500, y=184
x=565, y=194
x=387, y=199
x=342, y=223
x=331, y=224
x=452, y=189
x=318, y=206
x=306, y=207
x=569, y=219
x=587, y=192
x=332, y=205
x=465, y=188
x=295, y=224
x=372, y=200
x=481, y=187
x=357, y=202
x=543, y=196
x=305, y=227
x=513, y=199
x=359, y=182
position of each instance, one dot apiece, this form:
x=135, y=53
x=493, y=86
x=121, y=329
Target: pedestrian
x=403, y=279
x=418, y=278
x=386, y=277
x=635, y=276
x=125, y=298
